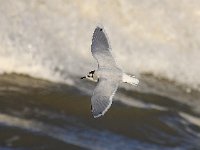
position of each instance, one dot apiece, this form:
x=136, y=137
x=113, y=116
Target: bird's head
x=90, y=76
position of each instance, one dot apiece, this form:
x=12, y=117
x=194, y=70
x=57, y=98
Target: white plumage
x=108, y=74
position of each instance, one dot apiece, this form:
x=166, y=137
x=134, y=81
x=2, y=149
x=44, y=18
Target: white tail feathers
x=130, y=79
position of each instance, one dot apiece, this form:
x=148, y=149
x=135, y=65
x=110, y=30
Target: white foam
x=191, y=119
x=52, y=40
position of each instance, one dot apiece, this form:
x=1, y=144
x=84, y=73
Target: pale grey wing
x=102, y=97
x=100, y=49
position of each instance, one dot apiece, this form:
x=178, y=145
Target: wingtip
x=97, y=29
x=97, y=116
x=99, y=26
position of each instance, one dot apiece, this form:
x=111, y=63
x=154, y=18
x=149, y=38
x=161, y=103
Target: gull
x=108, y=74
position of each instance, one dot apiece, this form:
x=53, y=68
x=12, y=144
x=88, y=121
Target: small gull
x=108, y=75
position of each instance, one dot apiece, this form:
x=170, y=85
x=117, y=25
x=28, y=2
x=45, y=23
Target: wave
x=52, y=40
x=135, y=120
x=84, y=137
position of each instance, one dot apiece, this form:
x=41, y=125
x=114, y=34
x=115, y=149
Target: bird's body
x=108, y=75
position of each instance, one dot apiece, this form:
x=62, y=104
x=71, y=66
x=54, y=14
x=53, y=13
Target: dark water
x=39, y=115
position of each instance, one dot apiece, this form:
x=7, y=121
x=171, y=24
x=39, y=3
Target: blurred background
x=45, y=49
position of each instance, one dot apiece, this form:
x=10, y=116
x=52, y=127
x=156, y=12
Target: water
x=37, y=114
x=41, y=38
x=45, y=49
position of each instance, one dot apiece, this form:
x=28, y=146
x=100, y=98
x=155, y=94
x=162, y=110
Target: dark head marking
x=92, y=72
x=100, y=29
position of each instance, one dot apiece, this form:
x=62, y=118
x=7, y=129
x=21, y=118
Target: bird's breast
x=114, y=74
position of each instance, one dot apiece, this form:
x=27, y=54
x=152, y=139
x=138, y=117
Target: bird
x=108, y=75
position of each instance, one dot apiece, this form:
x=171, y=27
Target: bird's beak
x=83, y=77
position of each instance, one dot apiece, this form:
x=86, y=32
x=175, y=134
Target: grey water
x=37, y=114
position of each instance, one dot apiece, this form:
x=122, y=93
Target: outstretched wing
x=102, y=96
x=101, y=49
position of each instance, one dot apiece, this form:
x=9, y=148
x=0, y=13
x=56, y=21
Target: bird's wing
x=102, y=96
x=100, y=49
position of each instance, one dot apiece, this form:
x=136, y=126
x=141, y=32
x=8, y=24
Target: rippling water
x=36, y=114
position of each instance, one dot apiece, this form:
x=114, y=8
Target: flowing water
x=37, y=114
x=45, y=49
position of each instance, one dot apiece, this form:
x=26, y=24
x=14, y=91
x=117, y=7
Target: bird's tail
x=130, y=79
